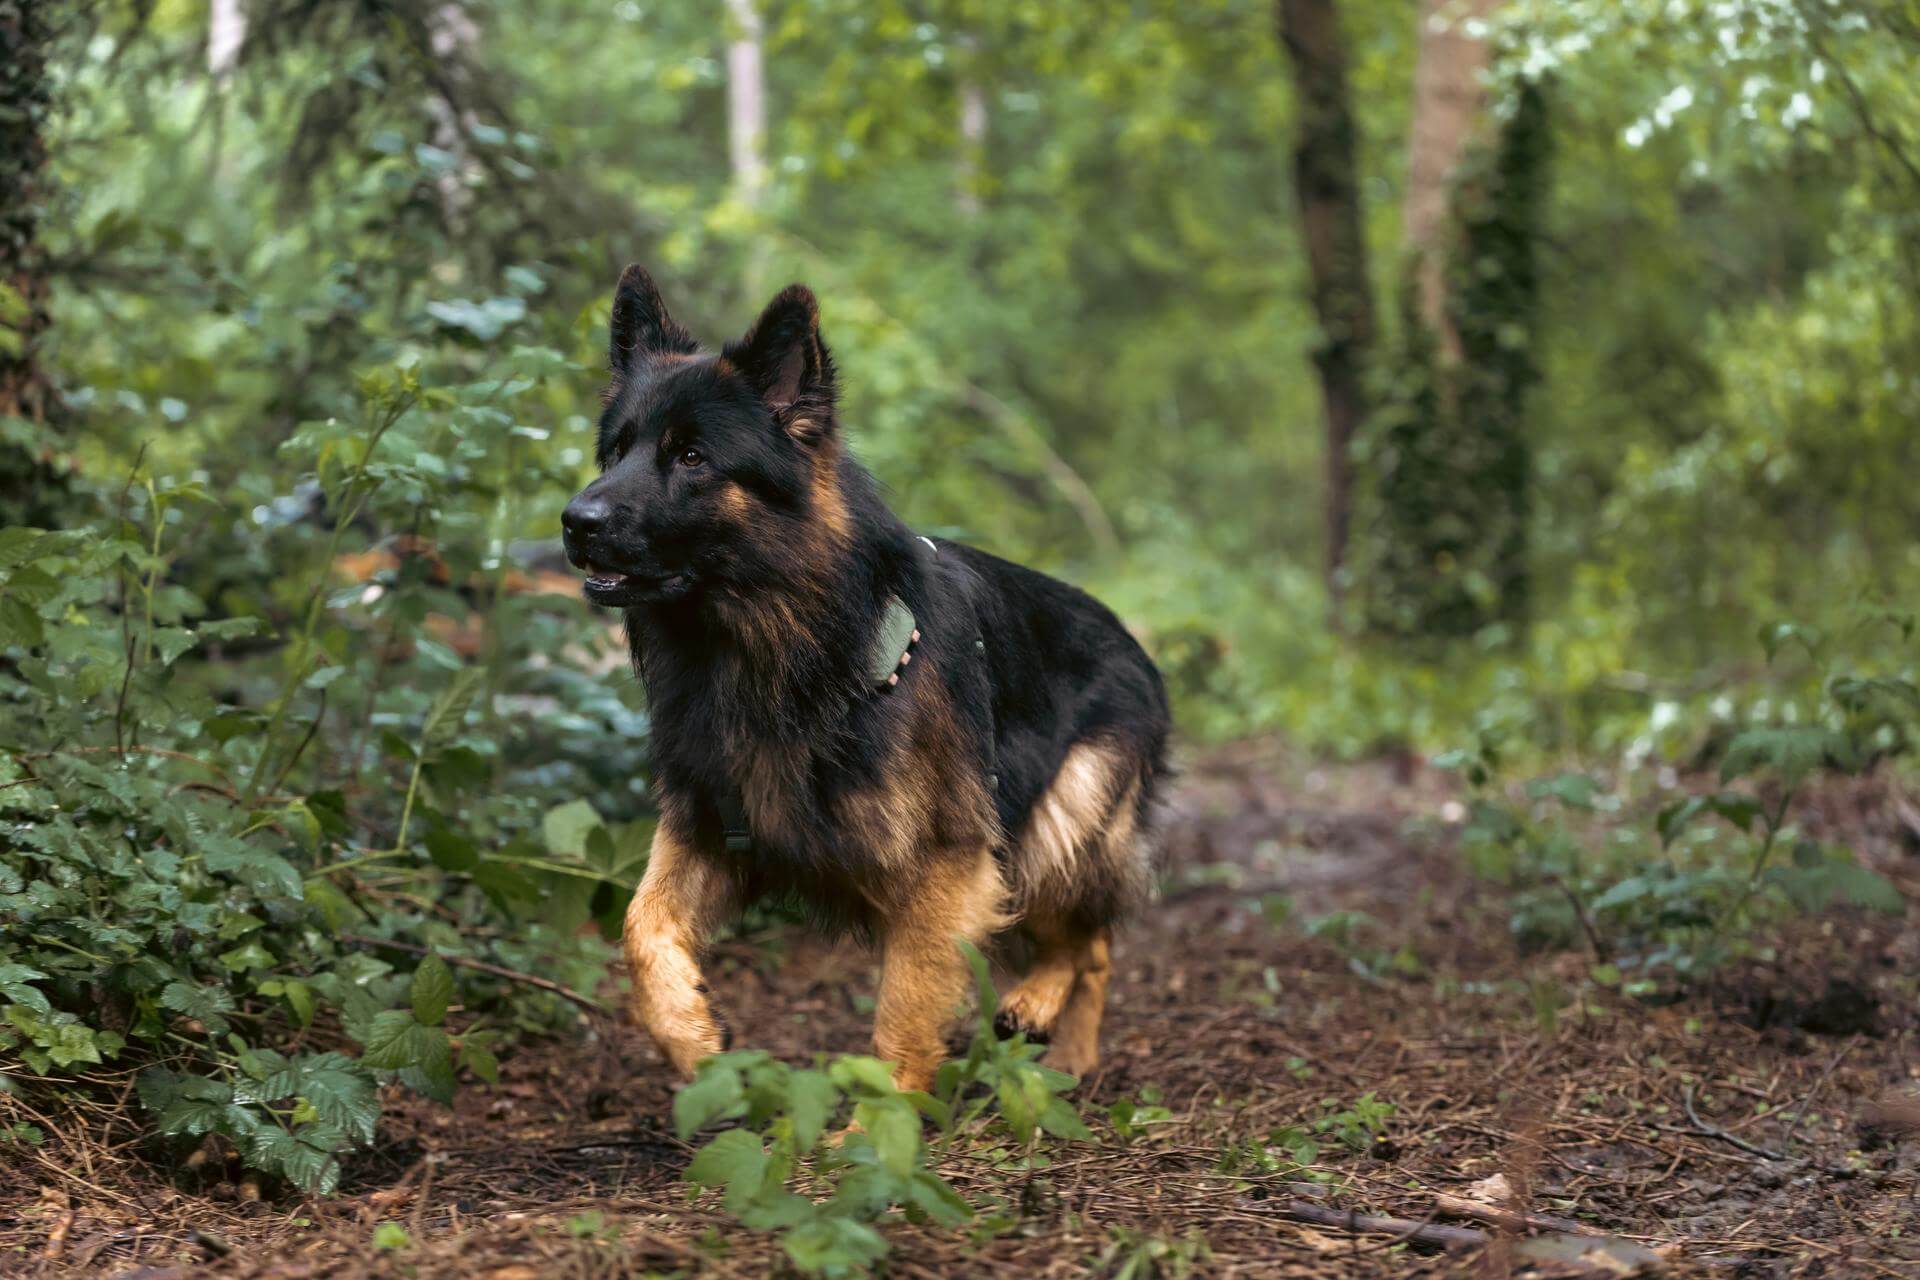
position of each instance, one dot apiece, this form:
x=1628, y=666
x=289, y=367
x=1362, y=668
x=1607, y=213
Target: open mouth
x=612, y=587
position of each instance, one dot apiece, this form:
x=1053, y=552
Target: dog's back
x=1079, y=721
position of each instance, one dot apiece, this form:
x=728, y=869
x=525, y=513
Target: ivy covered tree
x=29, y=468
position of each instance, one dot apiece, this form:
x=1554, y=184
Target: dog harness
x=890, y=651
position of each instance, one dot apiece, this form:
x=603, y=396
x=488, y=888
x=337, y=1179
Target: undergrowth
x=1666, y=890
x=786, y=1168
x=255, y=841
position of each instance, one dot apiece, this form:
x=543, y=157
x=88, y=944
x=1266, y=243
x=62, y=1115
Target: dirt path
x=1651, y=1124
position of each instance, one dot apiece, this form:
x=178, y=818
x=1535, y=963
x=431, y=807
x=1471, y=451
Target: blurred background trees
x=1603, y=360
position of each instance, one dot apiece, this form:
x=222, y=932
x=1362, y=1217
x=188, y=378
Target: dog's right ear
x=642, y=329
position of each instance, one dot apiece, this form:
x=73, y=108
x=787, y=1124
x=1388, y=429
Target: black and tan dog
x=914, y=740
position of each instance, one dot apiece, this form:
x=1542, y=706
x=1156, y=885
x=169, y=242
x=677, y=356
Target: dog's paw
x=1010, y=1022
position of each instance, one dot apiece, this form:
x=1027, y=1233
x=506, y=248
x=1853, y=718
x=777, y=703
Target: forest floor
x=1742, y=1131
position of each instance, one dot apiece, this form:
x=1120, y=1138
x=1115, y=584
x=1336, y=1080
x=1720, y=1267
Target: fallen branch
x=1513, y=1220
x=1371, y=1224
x=481, y=966
x=1734, y=1140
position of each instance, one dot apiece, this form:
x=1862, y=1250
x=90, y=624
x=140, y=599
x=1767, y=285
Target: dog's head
x=706, y=462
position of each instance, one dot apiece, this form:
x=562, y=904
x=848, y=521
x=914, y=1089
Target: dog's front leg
x=679, y=899
x=923, y=972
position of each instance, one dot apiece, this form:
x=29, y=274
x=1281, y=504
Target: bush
x=1694, y=890
x=251, y=815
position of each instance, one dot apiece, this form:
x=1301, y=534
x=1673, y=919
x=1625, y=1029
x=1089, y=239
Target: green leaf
x=341, y=1093
x=389, y=1236
x=930, y=1107
x=982, y=981
x=1631, y=889
x=248, y=955
x=1777, y=635
x=811, y=1099
x=736, y=1160
x=712, y=1093
x=479, y=1059
x=449, y=713
x=1736, y=807
x=171, y=642
x=893, y=1126
x=1575, y=790
x=1814, y=886
x=567, y=828
x=938, y=1199
x=265, y=872
x=1865, y=887
x=1015, y=1109
x=1793, y=752
x=451, y=851
x=833, y=1246
x=860, y=1075
x=1060, y=1119
x=396, y=1041
x=432, y=990
x=208, y=1005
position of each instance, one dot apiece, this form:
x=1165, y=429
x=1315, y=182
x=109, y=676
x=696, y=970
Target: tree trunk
x=1453, y=463
x=746, y=103
x=1448, y=100
x=973, y=134
x=226, y=33
x=1326, y=183
x=29, y=478
x=453, y=37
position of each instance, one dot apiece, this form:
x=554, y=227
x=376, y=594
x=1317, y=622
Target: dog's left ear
x=784, y=359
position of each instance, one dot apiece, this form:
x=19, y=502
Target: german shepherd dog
x=908, y=738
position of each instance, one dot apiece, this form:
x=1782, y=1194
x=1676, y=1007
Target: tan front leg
x=923, y=973
x=679, y=900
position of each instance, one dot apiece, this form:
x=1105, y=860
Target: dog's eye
x=691, y=457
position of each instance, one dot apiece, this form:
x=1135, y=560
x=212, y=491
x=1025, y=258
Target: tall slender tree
x=746, y=101
x=1326, y=180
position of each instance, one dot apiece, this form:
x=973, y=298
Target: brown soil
x=1753, y=1128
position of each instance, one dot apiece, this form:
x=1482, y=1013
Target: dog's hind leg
x=923, y=972
x=1075, y=1046
x=1036, y=1000
x=679, y=900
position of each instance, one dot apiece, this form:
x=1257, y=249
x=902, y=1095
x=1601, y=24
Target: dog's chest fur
x=845, y=787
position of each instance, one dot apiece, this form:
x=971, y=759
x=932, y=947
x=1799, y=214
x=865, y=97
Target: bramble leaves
x=1792, y=752
x=736, y=1161
x=432, y=990
x=880, y=1164
x=1715, y=885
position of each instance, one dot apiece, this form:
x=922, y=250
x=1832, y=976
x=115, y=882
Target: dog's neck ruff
x=890, y=650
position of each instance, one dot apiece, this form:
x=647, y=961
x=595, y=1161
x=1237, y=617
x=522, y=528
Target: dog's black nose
x=585, y=516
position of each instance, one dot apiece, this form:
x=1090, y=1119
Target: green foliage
x=783, y=1169
x=1133, y=1254
x=325, y=334
x=1719, y=863
x=184, y=867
